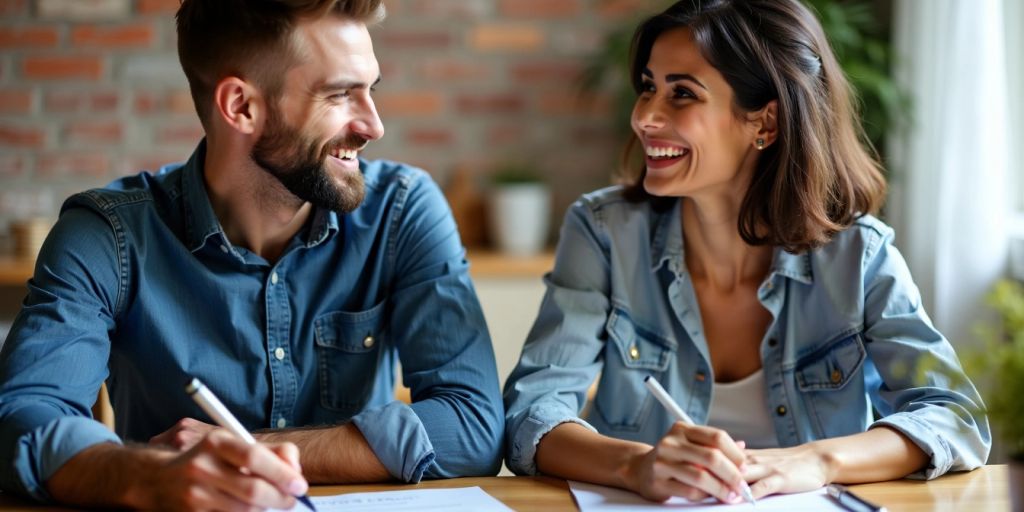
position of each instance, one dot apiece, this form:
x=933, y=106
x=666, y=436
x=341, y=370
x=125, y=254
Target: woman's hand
x=690, y=461
x=788, y=470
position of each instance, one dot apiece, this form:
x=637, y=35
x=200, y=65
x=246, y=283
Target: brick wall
x=91, y=90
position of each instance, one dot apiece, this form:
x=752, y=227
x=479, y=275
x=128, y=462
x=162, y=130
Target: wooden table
x=985, y=489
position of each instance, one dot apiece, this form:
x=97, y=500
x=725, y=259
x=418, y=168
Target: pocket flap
x=639, y=347
x=832, y=366
x=351, y=331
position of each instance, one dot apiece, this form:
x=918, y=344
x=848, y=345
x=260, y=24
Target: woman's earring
x=760, y=144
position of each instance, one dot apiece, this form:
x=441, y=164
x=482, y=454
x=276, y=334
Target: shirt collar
x=667, y=248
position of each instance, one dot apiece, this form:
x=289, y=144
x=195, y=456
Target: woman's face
x=695, y=144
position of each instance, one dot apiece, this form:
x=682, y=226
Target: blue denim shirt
x=138, y=285
x=847, y=334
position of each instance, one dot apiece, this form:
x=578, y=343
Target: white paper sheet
x=468, y=499
x=597, y=498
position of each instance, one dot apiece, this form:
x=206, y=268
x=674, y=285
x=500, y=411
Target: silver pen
x=220, y=414
x=659, y=392
x=851, y=501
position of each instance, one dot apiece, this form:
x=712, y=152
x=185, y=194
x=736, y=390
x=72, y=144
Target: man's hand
x=185, y=434
x=221, y=472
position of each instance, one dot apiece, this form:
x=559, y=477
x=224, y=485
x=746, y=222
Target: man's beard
x=297, y=163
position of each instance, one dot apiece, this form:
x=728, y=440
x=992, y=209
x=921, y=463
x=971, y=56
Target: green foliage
x=857, y=38
x=998, y=367
x=515, y=173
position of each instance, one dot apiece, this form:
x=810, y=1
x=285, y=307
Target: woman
x=744, y=271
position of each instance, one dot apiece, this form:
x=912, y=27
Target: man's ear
x=766, y=123
x=239, y=104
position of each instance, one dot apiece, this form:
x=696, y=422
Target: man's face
x=323, y=116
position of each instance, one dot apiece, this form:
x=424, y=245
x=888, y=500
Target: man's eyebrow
x=676, y=77
x=341, y=85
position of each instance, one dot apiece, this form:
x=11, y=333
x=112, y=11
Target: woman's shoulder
x=860, y=241
x=610, y=204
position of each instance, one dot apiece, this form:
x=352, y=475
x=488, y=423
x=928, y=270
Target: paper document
x=468, y=499
x=598, y=498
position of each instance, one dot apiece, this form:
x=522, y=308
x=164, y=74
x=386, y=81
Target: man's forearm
x=107, y=475
x=332, y=455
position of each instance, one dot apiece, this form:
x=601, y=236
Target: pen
x=662, y=396
x=851, y=501
x=216, y=409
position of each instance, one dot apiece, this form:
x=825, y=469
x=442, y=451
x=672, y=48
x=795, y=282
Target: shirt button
x=780, y=410
x=281, y=423
x=701, y=377
x=273, y=278
x=634, y=353
x=772, y=342
x=368, y=341
x=836, y=376
x=279, y=353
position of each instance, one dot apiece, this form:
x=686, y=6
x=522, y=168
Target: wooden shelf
x=489, y=263
x=16, y=271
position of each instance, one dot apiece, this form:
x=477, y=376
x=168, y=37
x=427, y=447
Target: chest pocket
x=348, y=348
x=831, y=384
x=634, y=352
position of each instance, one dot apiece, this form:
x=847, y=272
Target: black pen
x=851, y=501
x=216, y=409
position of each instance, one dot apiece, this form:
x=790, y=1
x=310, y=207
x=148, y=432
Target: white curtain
x=952, y=198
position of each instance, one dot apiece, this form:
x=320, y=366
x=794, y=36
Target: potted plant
x=520, y=209
x=998, y=370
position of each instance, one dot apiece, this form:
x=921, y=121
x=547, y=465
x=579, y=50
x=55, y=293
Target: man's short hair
x=250, y=39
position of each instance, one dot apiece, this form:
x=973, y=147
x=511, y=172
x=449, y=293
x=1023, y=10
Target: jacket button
x=368, y=341
x=700, y=376
x=772, y=342
x=836, y=376
x=780, y=410
x=634, y=352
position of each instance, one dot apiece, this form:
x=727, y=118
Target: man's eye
x=340, y=95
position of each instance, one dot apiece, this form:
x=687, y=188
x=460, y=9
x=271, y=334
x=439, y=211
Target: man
x=286, y=273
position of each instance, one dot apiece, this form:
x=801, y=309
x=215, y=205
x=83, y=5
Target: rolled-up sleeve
x=562, y=354
x=454, y=426
x=931, y=401
x=55, y=357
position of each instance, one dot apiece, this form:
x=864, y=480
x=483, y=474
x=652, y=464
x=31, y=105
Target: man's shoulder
x=383, y=174
x=139, y=190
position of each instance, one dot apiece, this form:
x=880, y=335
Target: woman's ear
x=238, y=104
x=765, y=124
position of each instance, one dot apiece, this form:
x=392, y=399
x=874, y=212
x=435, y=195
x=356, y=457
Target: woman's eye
x=647, y=87
x=682, y=92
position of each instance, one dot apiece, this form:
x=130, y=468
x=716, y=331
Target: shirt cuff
x=396, y=435
x=44, y=450
x=927, y=439
x=540, y=421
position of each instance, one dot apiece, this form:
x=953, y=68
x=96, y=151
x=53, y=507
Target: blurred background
x=489, y=95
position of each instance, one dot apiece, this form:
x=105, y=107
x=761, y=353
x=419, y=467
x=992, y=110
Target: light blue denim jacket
x=848, y=332
x=138, y=285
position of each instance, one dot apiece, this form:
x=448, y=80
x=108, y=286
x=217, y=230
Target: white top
x=739, y=408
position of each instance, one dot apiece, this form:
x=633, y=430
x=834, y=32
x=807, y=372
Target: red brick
x=533, y=72
x=180, y=102
x=81, y=101
x=500, y=37
x=157, y=6
x=455, y=70
x=430, y=136
x=13, y=165
x=94, y=132
x=569, y=102
x=15, y=101
x=503, y=103
x=540, y=8
x=415, y=40
x=403, y=104
x=21, y=136
x=184, y=134
x=121, y=36
x=95, y=165
x=134, y=164
x=12, y=7
x=64, y=67
x=28, y=37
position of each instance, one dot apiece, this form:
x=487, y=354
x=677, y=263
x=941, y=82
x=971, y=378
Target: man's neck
x=254, y=209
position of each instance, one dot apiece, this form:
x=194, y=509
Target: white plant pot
x=519, y=217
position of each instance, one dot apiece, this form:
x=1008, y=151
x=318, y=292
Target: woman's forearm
x=574, y=452
x=877, y=455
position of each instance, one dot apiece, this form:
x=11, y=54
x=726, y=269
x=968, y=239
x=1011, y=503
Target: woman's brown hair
x=250, y=39
x=821, y=174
